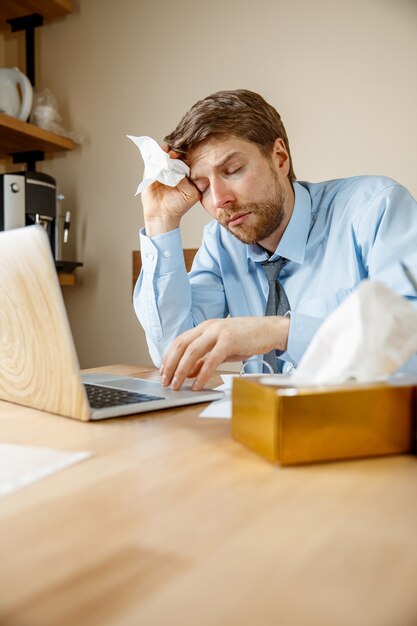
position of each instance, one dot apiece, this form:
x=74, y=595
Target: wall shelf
x=18, y=136
x=49, y=9
x=24, y=141
x=66, y=280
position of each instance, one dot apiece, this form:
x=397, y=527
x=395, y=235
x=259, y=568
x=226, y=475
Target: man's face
x=246, y=192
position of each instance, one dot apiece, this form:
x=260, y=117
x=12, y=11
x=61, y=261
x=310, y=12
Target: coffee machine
x=28, y=198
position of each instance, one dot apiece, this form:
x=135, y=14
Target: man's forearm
x=162, y=295
x=158, y=225
x=199, y=351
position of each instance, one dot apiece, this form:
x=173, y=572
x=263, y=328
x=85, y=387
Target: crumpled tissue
x=158, y=165
x=369, y=336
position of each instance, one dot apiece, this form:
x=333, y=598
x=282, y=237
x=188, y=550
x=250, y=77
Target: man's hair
x=241, y=113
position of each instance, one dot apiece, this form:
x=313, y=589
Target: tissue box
x=292, y=425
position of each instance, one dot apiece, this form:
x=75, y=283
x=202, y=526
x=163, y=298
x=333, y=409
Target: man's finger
x=195, y=351
x=171, y=153
x=175, y=352
x=187, y=188
x=209, y=366
x=195, y=371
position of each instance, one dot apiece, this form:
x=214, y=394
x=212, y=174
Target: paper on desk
x=369, y=336
x=23, y=465
x=221, y=408
x=218, y=408
x=158, y=165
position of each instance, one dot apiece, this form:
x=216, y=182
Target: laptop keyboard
x=104, y=397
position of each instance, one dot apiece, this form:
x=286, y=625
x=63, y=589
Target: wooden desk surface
x=173, y=522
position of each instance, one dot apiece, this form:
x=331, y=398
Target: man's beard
x=269, y=214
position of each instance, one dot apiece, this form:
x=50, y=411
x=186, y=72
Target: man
x=321, y=238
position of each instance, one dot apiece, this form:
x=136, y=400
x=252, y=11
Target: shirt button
x=282, y=273
x=167, y=254
x=288, y=367
x=150, y=257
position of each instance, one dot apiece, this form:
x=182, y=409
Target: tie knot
x=272, y=268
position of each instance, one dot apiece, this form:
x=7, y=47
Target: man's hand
x=163, y=206
x=199, y=351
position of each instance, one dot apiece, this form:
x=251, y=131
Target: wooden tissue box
x=292, y=425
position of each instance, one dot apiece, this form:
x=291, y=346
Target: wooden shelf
x=10, y=9
x=18, y=136
x=15, y=135
x=66, y=280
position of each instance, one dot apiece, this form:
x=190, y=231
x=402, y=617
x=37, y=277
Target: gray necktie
x=277, y=303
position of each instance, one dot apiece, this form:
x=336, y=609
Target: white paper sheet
x=219, y=409
x=223, y=408
x=23, y=465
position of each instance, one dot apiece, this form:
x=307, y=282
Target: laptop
x=38, y=363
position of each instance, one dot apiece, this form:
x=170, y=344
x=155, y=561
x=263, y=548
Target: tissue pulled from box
x=158, y=165
x=369, y=336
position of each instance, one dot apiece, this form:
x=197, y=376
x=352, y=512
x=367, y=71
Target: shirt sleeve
x=302, y=330
x=386, y=235
x=166, y=299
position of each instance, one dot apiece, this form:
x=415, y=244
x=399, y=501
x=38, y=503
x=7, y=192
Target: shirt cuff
x=302, y=330
x=163, y=253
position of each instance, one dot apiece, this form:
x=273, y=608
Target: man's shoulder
x=370, y=183
x=348, y=195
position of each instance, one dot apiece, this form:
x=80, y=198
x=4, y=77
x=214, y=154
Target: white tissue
x=369, y=336
x=158, y=165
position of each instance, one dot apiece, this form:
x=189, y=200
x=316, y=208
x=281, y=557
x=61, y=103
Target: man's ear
x=280, y=156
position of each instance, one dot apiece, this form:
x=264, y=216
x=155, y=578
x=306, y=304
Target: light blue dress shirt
x=340, y=232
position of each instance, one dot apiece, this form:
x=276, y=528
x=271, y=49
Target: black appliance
x=28, y=198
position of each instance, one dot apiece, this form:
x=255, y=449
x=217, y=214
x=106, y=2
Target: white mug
x=16, y=93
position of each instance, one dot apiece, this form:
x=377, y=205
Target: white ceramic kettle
x=16, y=93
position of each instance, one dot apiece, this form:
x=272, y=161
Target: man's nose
x=221, y=194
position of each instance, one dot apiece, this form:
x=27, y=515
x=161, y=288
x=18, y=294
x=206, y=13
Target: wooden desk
x=172, y=522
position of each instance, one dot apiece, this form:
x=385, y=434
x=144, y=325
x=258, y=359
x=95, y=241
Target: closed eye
x=235, y=170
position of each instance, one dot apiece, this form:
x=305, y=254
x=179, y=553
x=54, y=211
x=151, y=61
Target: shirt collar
x=294, y=240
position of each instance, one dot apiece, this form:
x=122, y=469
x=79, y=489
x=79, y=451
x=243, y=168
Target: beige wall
x=342, y=74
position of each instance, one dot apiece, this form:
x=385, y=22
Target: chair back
x=189, y=254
